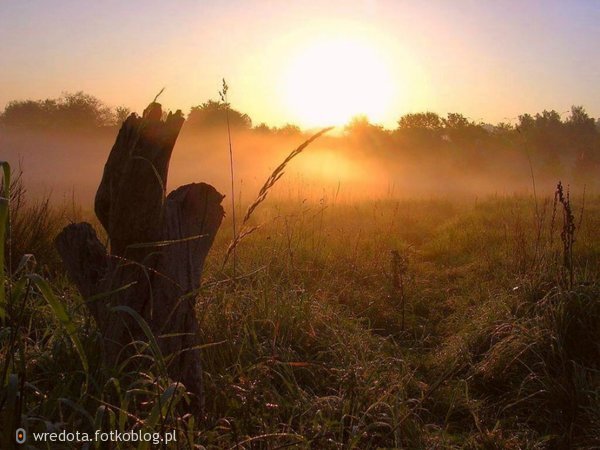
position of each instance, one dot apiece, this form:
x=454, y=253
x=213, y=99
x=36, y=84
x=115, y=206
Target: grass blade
x=4, y=224
x=146, y=329
x=61, y=314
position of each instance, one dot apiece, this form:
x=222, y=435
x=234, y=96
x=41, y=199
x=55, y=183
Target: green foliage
x=4, y=231
x=315, y=334
x=307, y=347
x=51, y=372
x=33, y=226
x=61, y=314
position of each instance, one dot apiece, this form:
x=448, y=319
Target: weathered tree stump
x=158, y=245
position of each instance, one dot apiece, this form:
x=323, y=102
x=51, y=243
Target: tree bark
x=158, y=245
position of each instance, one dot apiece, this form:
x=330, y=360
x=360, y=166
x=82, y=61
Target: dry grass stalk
x=264, y=191
x=278, y=173
x=399, y=269
x=567, y=234
x=223, y=95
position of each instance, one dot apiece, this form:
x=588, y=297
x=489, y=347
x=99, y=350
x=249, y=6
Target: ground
x=471, y=336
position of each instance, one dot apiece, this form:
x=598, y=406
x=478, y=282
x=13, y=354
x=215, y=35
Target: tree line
x=570, y=141
x=557, y=144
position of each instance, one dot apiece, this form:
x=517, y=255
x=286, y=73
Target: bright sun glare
x=330, y=82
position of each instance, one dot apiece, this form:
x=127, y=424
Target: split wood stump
x=158, y=245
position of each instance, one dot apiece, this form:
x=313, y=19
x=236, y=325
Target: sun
x=330, y=81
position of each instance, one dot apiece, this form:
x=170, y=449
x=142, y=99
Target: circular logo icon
x=20, y=435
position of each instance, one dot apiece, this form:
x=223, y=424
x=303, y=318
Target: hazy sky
x=308, y=61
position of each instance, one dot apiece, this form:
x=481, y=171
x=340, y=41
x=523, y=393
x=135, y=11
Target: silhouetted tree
x=420, y=121
x=456, y=121
x=360, y=126
x=371, y=138
x=212, y=114
x=420, y=133
x=545, y=138
x=285, y=130
x=288, y=130
x=504, y=127
x=465, y=135
x=121, y=114
x=262, y=128
x=30, y=113
x=70, y=111
x=584, y=142
x=81, y=110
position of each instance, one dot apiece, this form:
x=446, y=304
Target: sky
x=309, y=62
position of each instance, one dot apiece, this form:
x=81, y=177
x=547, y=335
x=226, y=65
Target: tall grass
x=224, y=99
x=312, y=351
x=4, y=231
x=264, y=191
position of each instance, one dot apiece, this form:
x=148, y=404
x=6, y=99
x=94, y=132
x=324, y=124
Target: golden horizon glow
x=329, y=166
x=303, y=62
x=331, y=80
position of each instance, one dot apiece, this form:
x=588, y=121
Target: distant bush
x=70, y=111
x=213, y=114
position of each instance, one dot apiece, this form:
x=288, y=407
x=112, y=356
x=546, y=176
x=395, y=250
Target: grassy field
x=413, y=323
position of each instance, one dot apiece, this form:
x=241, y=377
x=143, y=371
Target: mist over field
x=394, y=288
x=425, y=155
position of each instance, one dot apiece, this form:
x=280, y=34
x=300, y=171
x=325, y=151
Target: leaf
x=146, y=329
x=168, y=399
x=62, y=315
